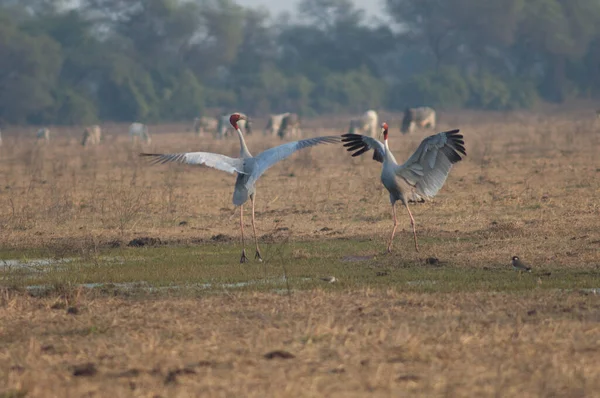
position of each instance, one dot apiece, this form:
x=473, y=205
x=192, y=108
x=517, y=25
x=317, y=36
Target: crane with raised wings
x=249, y=168
x=420, y=177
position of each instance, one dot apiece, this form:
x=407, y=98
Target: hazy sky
x=277, y=6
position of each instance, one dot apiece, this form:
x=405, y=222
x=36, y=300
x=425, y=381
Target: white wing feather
x=214, y=160
x=268, y=158
x=428, y=168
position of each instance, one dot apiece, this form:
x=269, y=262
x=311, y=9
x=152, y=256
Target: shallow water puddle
x=37, y=264
x=353, y=259
x=421, y=282
x=41, y=263
x=145, y=286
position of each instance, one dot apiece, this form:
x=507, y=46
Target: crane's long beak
x=381, y=132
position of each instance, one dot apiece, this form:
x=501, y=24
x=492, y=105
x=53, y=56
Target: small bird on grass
x=518, y=265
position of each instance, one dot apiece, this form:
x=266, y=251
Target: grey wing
x=268, y=158
x=214, y=160
x=363, y=144
x=428, y=168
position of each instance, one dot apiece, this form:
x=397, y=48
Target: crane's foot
x=389, y=249
x=257, y=256
x=243, y=259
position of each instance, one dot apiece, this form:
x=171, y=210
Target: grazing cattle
x=43, y=134
x=366, y=124
x=423, y=117
x=91, y=135
x=224, y=128
x=139, y=131
x=290, y=126
x=274, y=123
x=205, y=123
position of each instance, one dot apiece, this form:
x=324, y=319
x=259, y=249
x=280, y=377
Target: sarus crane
x=249, y=168
x=420, y=177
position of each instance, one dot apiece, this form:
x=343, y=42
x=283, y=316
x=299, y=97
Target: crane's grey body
x=421, y=176
x=389, y=178
x=243, y=188
x=249, y=168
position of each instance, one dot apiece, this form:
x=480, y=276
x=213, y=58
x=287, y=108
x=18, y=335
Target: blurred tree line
x=151, y=60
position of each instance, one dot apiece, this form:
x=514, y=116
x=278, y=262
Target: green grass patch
x=292, y=265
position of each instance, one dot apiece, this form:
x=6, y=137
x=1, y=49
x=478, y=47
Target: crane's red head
x=235, y=118
x=384, y=130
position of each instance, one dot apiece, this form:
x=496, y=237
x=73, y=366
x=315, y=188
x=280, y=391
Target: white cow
x=224, y=128
x=290, y=126
x=205, y=123
x=91, y=135
x=139, y=131
x=274, y=123
x=423, y=117
x=43, y=134
x=366, y=124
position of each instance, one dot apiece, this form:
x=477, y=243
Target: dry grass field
x=179, y=316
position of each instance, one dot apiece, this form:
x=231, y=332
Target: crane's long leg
x=257, y=255
x=243, y=259
x=412, y=224
x=389, y=249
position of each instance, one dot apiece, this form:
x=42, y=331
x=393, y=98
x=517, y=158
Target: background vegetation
x=165, y=60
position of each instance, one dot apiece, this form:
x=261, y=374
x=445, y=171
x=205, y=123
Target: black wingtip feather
x=354, y=147
x=360, y=152
x=155, y=157
x=452, y=132
x=461, y=149
x=451, y=154
x=351, y=137
x=456, y=142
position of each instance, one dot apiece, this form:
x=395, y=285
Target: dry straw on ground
x=351, y=344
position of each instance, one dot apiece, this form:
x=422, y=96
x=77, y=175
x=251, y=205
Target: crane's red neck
x=384, y=126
